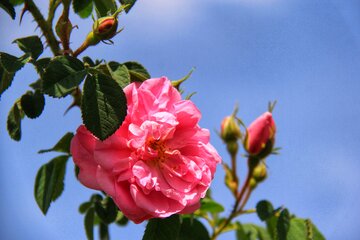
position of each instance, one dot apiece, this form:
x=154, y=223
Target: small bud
x=260, y=172
x=260, y=136
x=230, y=130
x=253, y=184
x=105, y=28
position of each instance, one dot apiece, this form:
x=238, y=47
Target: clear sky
x=303, y=53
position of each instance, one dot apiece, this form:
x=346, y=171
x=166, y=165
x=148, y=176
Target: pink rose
x=260, y=135
x=158, y=163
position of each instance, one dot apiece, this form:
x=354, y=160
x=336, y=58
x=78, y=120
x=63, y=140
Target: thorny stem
x=44, y=26
x=53, y=5
x=235, y=212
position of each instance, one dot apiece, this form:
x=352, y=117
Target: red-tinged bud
x=260, y=136
x=103, y=29
x=106, y=27
x=230, y=130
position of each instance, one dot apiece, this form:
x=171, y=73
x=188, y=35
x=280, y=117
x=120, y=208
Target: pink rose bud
x=260, y=136
x=230, y=130
x=105, y=28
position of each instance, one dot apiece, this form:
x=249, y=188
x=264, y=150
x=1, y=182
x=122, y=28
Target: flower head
x=260, y=136
x=158, y=163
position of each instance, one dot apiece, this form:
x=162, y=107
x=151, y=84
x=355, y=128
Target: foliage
x=97, y=88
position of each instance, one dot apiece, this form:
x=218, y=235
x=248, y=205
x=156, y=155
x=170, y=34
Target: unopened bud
x=105, y=28
x=260, y=136
x=252, y=184
x=260, y=172
x=230, y=130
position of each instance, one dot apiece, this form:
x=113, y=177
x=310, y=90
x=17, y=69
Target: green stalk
x=44, y=26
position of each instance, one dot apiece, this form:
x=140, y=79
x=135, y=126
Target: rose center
x=160, y=149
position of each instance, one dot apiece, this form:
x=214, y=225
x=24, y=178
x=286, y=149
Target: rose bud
x=253, y=183
x=230, y=130
x=105, y=28
x=260, y=172
x=260, y=136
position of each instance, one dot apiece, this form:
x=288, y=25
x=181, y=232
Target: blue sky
x=303, y=53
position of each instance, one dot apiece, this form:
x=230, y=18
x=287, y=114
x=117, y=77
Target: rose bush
x=158, y=163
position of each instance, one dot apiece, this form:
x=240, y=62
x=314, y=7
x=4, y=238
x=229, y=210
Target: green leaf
x=106, y=210
x=11, y=63
x=8, y=7
x=14, y=122
x=192, y=229
x=283, y=224
x=41, y=65
x=264, y=209
x=246, y=232
x=103, y=105
x=84, y=207
x=83, y=8
x=303, y=229
x=251, y=232
x=105, y=7
x=31, y=45
x=63, y=145
x=6, y=79
x=89, y=223
x=89, y=61
x=104, y=231
x=37, y=85
x=16, y=2
x=49, y=183
x=137, y=72
x=162, y=229
x=271, y=224
x=128, y=2
x=209, y=205
x=121, y=220
x=32, y=104
x=317, y=235
x=119, y=73
x=62, y=76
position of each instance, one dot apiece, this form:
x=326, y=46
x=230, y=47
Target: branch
x=44, y=26
x=235, y=212
x=53, y=5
